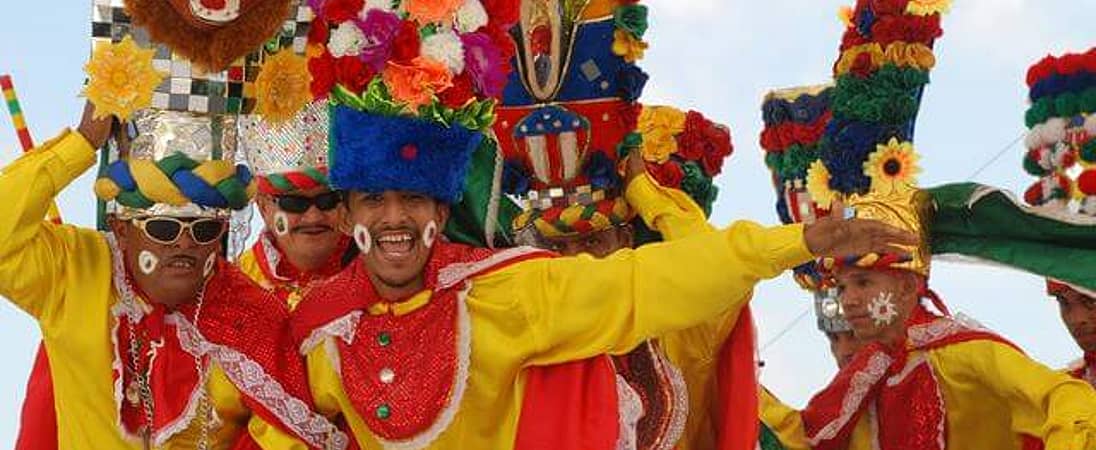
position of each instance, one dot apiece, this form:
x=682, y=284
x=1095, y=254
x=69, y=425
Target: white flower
x=471, y=16
x=446, y=47
x=1047, y=134
x=383, y=5
x=346, y=40
x=1090, y=124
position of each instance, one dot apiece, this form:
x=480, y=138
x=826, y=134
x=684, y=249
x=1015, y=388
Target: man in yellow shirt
x=301, y=242
x=420, y=342
x=660, y=394
x=924, y=379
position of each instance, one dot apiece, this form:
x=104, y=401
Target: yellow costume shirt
x=61, y=275
x=548, y=311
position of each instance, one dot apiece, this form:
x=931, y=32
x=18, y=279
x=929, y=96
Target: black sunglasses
x=297, y=204
x=168, y=230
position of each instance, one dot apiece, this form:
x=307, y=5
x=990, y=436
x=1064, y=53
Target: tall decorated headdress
x=570, y=115
x=1061, y=143
x=412, y=86
x=867, y=157
x=286, y=137
x=795, y=121
x=176, y=153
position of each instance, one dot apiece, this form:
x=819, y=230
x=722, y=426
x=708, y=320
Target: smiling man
x=421, y=342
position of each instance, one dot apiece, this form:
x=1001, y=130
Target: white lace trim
x=943, y=327
x=630, y=410
x=273, y=256
x=343, y=327
x=454, y=274
x=250, y=378
x=460, y=382
x=861, y=383
x=679, y=408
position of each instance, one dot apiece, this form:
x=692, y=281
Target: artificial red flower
x=459, y=94
x=338, y=11
x=407, y=44
x=912, y=29
x=503, y=42
x=667, y=175
x=1086, y=182
x=503, y=14
x=708, y=142
x=1070, y=64
x=322, y=69
x=353, y=73
x=319, y=32
x=852, y=38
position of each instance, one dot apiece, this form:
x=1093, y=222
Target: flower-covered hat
x=178, y=155
x=867, y=157
x=569, y=116
x=1061, y=146
x=795, y=120
x=412, y=84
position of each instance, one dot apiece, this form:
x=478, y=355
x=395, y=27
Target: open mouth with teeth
x=395, y=244
x=181, y=264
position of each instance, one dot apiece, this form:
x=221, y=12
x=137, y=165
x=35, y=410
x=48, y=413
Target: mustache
x=182, y=258
x=311, y=228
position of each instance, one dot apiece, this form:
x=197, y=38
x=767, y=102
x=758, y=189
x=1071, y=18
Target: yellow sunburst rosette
x=282, y=87
x=121, y=79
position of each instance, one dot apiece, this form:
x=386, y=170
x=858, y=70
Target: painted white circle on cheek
x=430, y=234
x=147, y=262
x=363, y=239
x=281, y=223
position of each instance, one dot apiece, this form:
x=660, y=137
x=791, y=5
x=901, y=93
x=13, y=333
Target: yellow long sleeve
x=34, y=253
x=993, y=392
x=580, y=307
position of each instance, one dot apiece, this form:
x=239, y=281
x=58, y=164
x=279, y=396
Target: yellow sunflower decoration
x=928, y=7
x=892, y=166
x=282, y=87
x=121, y=79
x=818, y=185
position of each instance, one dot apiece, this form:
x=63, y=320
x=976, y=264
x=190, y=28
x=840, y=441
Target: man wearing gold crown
x=154, y=340
x=1063, y=134
x=564, y=135
x=925, y=380
x=421, y=342
x=795, y=121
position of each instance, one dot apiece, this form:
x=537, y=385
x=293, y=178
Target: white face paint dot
x=363, y=239
x=281, y=223
x=147, y=262
x=882, y=309
x=429, y=234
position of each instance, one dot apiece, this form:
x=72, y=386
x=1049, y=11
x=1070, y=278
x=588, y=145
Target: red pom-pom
x=503, y=14
x=459, y=94
x=1034, y=194
x=889, y=7
x=1086, y=183
x=1042, y=69
x=668, y=174
x=318, y=33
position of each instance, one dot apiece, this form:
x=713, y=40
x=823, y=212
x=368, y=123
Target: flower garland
x=441, y=60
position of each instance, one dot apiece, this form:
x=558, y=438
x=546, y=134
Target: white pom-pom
x=446, y=47
x=471, y=16
x=1054, y=131
x=346, y=40
x=1034, y=138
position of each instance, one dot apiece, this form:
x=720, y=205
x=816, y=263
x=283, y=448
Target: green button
x=384, y=411
x=384, y=339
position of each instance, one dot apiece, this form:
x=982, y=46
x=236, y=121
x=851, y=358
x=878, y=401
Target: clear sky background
x=718, y=57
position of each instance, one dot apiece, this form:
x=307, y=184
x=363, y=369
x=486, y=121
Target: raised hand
x=96, y=131
x=836, y=236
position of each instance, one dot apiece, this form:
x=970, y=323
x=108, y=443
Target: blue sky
x=718, y=57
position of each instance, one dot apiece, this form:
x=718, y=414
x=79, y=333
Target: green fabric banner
x=986, y=223
x=468, y=218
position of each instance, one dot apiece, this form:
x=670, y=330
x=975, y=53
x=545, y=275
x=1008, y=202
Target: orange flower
x=432, y=11
x=416, y=84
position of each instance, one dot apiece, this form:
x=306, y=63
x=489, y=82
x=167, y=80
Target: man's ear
x=443, y=215
x=343, y=219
